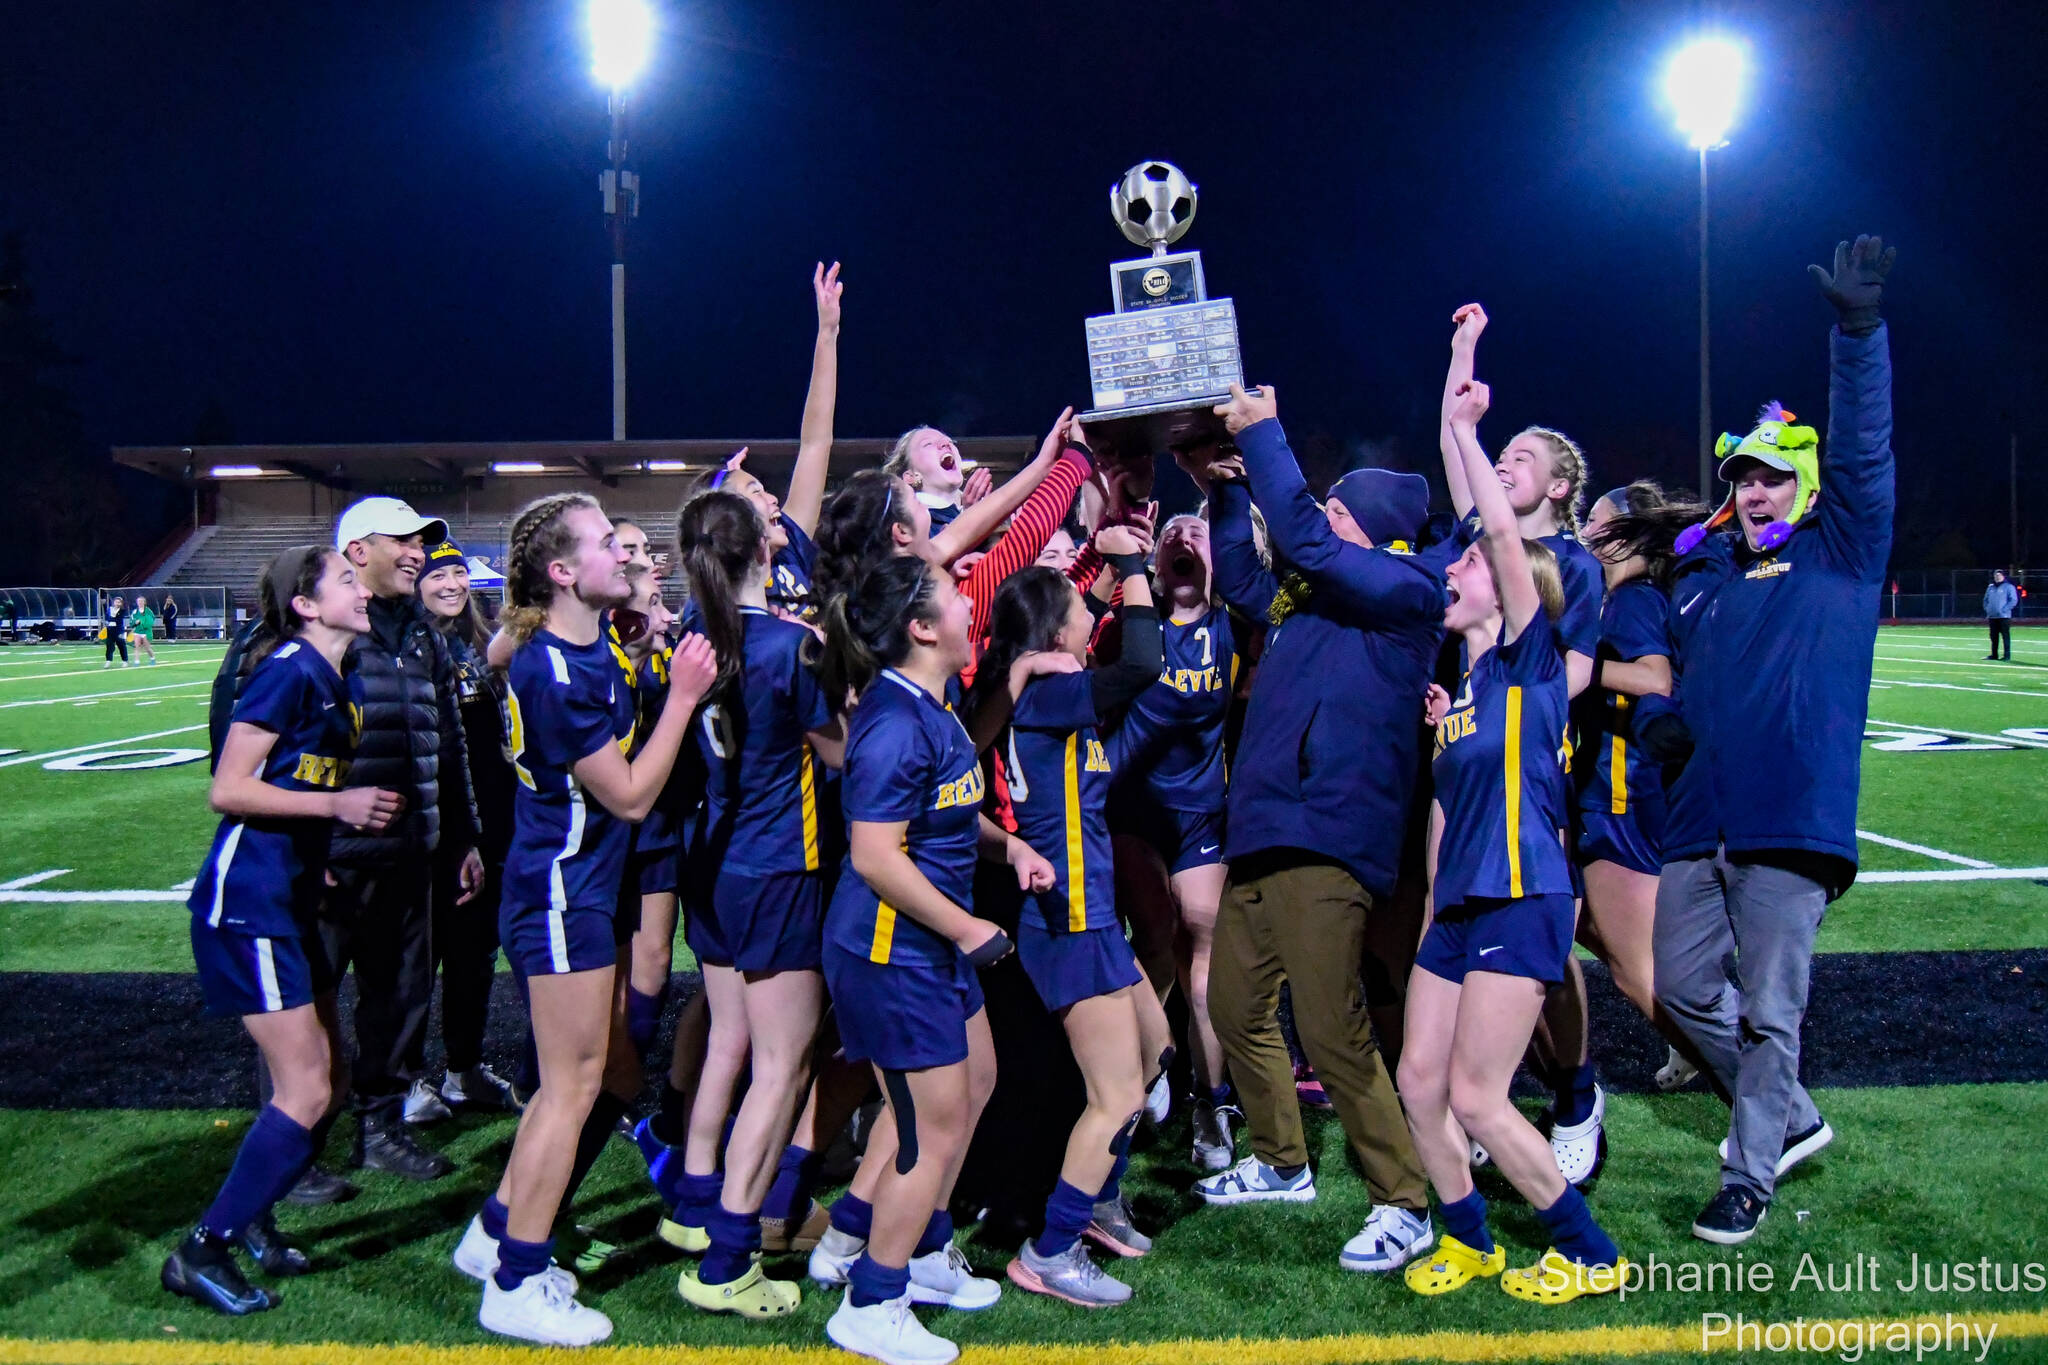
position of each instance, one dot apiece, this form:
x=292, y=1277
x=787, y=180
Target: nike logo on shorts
x=1689, y=605
x=1494, y=949
x=1210, y=848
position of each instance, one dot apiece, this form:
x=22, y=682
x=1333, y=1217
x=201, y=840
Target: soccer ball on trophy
x=1154, y=204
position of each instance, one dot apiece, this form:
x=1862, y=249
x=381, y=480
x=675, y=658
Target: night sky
x=374, y=222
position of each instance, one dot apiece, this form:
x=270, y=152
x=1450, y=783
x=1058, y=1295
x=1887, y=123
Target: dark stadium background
x=234, y=221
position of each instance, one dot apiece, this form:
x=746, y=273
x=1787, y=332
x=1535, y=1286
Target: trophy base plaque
x=1157, y=373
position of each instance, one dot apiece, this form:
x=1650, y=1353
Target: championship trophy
x=1168, y=355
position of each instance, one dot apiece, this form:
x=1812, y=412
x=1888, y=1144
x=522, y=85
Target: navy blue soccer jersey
x=1169, y=748
x=1611, y=772
x=263, y=876
x=1058, y=771
x=1578, y=630
x=761, y=780
x=564, y=703
x=789, y=576
x=908, y=759
x=1500, y=775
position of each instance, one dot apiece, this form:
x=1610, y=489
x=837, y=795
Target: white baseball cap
x=386, y=517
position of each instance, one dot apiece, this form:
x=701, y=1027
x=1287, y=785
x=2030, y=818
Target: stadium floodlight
x=666, y=466
x=518, y=467
x=621, y=35
x=1704, y=84
x=237, y=471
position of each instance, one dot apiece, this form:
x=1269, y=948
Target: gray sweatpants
x=1734, y=951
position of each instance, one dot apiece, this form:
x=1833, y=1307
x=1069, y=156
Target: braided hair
x=540, y=535
x=1567, y=462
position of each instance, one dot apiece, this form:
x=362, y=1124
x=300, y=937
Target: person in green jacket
x=142, y=626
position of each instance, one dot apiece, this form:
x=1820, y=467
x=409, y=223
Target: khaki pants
x=1304, y=924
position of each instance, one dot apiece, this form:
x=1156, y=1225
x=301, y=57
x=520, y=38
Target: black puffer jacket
x=412, y=740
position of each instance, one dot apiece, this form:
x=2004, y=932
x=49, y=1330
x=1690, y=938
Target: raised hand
x=1112, y=541
x=1247, y=406
x=1856, y=285
x=1470, y=403
x=978, y=486
x=1039, y=663
x=1056, y=440
x=1436, y=704
x=826, y=286
x=735, y=460
x=1470, y=321
x=963, y=567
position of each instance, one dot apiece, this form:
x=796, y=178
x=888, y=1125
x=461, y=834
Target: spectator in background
x=114, y=630
x=379, y=910
x=2000, y=597
x=142, y=627
x=170, y=618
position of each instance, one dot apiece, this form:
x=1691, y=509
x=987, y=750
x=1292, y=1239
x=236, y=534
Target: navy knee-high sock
x=1574, y=1233
x=1575, y=1087
x=938, y=1234
x=1465, y=1219
x=796, y=1175
x=853, y=1216
x=1066, y=1213
x=605, y=1112
x=273, y=1156
x=643, y=1015
x=735, y=1237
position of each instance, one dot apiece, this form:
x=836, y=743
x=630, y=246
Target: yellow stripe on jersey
x=807, y=797
x=1077, y=855
x=1511, y=765
x=1617, y=773
x=885, y=932
x=515, y=736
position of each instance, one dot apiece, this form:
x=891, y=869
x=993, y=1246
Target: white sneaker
x=944, y=1279
x=423, y=1105
x=1676, y=1071
x=476, y=1256
x=1253, y=1181
x=541, y=1309
x=1215, y=1145
x=1581, y=1148
x=1390, y=1239
x=888, y=1332
x=1159, y=1101
x=833, y=1257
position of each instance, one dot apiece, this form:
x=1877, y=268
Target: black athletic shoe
x=1730, y=1217
x=385, y=1145
x=203, y=1268
x=269, y=1249
x=319, y=1186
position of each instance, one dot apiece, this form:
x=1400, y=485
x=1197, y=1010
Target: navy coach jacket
x=1332, y=737
x=1774, y=649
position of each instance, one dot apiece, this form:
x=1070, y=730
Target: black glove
x=1664, y=739
x=1857, y=285
x=1125, y=565
x=991, y=952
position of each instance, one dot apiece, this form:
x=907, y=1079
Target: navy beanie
x=1387, y=504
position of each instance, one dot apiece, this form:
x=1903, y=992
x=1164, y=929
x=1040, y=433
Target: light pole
x=1703, y=84
x=621, y=31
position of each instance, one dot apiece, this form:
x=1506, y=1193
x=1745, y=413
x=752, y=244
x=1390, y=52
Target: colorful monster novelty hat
x=1781, y=445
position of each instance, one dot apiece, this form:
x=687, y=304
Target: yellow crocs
x=1453, y=1265
x=1554, y=1279
x=752, y=1295
x=689, y=1241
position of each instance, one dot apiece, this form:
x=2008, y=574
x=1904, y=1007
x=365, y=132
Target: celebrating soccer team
x=934, y=732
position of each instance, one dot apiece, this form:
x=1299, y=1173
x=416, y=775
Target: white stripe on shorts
x=558, y=895
x=266, y=975
x=220, y=872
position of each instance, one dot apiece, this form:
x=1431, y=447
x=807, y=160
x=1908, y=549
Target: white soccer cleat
x=1390, y=1239
x=1581, y=1148
x=476, y=1256
x=541, y=1309
x=1676, y=1071
x=944, y=1279
x=833, y=1257
x=888, y=1332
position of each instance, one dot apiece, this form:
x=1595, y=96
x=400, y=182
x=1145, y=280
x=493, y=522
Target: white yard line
x=132, y=739
x=86, y=897
x=32, y=878
x=1977, y=664
x=1960, y=874
x=1960, y=687
x=1923, y=850
x=88, y=672
x=100, y=696
x=2013, y=740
